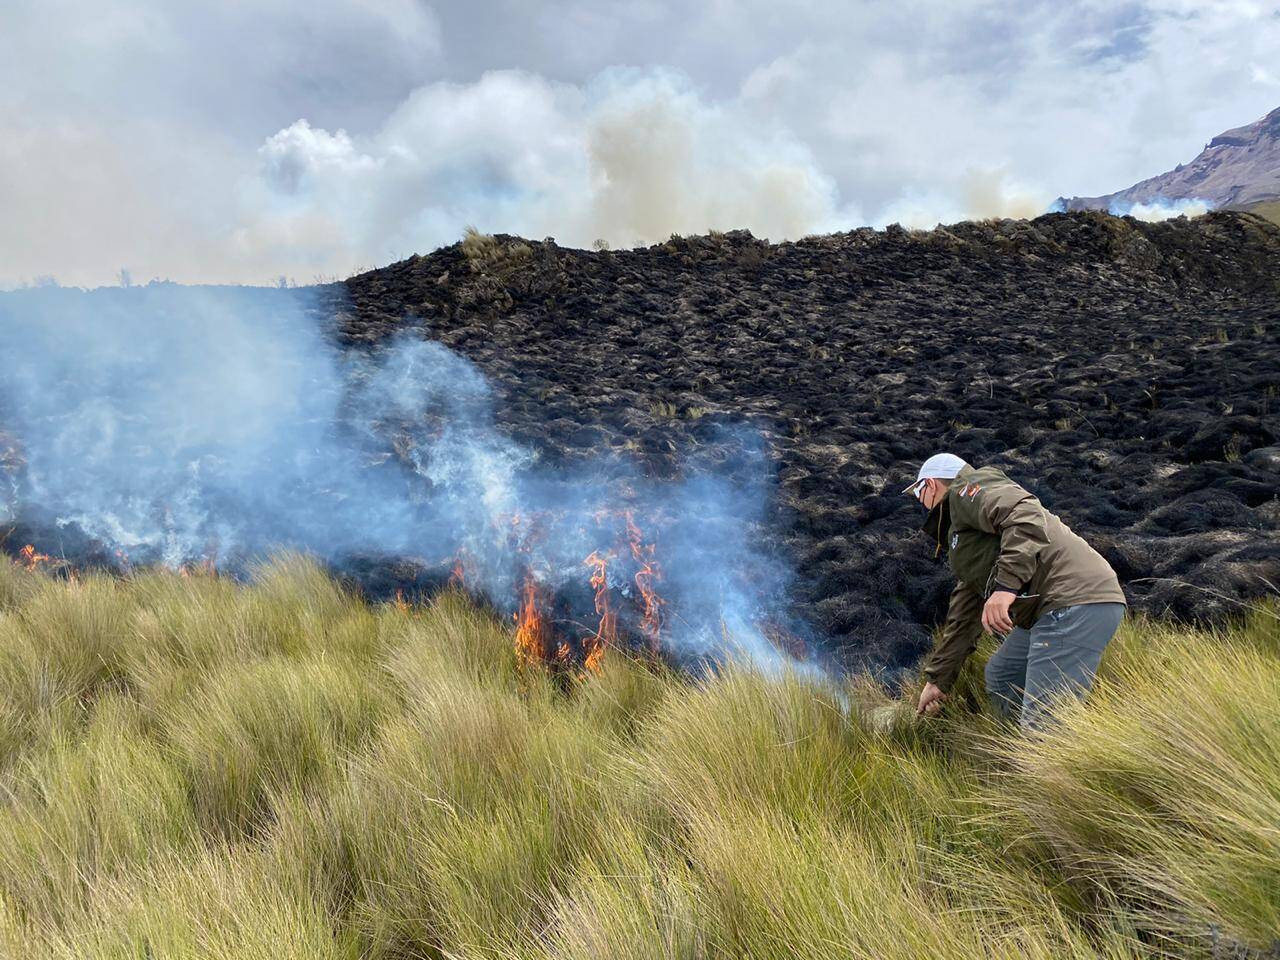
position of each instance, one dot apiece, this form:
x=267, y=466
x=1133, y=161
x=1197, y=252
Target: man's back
x=1039, y=557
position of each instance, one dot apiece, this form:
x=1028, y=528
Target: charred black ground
x=1125, y=372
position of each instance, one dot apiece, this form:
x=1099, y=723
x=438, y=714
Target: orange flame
x=649, y=572
x=401, y=604
x=593, y=647
x=208, y=567
x=533, y=634
x=30, y=559
x=458, y=576
x=784, y=640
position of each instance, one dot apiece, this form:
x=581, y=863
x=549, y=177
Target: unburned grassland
x=195, y=768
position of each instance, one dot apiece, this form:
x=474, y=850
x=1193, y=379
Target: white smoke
x=662, y=161
x=628, y=159
x=146, y=135
x=977, y=194
x=181, y=424
x=1161, y=209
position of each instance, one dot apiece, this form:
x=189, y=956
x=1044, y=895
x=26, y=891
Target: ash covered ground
x=1127, y=373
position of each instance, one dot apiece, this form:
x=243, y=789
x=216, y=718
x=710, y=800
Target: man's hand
x=931, y=700
x=995, y=615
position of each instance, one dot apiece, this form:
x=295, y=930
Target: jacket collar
x=938, y=523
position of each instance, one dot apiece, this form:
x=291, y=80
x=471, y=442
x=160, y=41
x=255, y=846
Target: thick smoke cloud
x=178, y=425
x=979, y=193
x=126, y=126
x=630, y=159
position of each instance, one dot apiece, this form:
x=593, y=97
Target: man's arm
x=1019, y=519
x=960, y=635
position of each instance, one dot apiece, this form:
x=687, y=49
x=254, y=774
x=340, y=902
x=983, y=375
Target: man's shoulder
x=970, y=483
x=992, y=475
x=985, y=485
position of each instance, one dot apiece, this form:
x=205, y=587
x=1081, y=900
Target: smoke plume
x=628, y=159
x=1162, y=209
x=979, y=193
x=179, y=425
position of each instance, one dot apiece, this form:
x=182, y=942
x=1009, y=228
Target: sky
x=308, y=139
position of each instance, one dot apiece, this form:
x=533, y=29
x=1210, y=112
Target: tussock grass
x=1168, y=787
x=488, y=254
x=275, y=724
x=223, y=902
x=195, y=768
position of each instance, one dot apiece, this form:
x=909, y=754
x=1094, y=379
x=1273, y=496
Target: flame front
x=208, y=567
x=593, y=647
x=537, y=640
x=31, y=559
x=646, y=576
x=458, y=575
x=533, y=633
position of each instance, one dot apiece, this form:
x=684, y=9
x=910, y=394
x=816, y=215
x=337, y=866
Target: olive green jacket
x=999, y=537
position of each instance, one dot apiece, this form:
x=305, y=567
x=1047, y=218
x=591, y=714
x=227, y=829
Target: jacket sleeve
x=1019, y=519
x=960, y=635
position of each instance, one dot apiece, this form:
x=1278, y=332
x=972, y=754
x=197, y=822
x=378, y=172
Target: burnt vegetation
x=1125, y=372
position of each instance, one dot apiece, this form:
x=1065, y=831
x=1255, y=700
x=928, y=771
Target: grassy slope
x=194, y=769
x=1269, y=209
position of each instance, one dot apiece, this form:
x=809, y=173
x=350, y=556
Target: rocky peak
x=1268, y=128
x=1238, y=168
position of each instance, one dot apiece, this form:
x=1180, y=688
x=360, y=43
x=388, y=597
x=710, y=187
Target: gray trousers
x=1057, y=657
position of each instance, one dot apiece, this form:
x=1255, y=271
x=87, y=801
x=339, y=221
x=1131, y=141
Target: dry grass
x=487, y=254
x=1269, y=209
x=192, y=768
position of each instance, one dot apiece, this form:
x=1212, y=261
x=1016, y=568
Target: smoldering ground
x=178, y=425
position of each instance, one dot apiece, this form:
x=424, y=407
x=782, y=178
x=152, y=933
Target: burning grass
x=193, y=768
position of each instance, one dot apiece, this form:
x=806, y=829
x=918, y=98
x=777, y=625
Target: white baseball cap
x=941, y=466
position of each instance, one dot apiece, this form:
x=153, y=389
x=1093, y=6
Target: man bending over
x=1023, y=575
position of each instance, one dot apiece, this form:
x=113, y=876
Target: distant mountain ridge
x=1239, y=168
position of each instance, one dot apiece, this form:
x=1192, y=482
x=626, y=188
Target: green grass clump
x=274, y=724
x=196, y=768
x=225, y=902
x=90, y=808
x=1167, y=787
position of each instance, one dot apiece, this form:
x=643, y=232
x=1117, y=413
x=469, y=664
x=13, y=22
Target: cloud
x=228, y=68
x=1262, y=75
x=239, y=142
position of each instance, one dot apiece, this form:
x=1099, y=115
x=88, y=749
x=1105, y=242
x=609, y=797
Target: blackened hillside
x=1126, y=372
